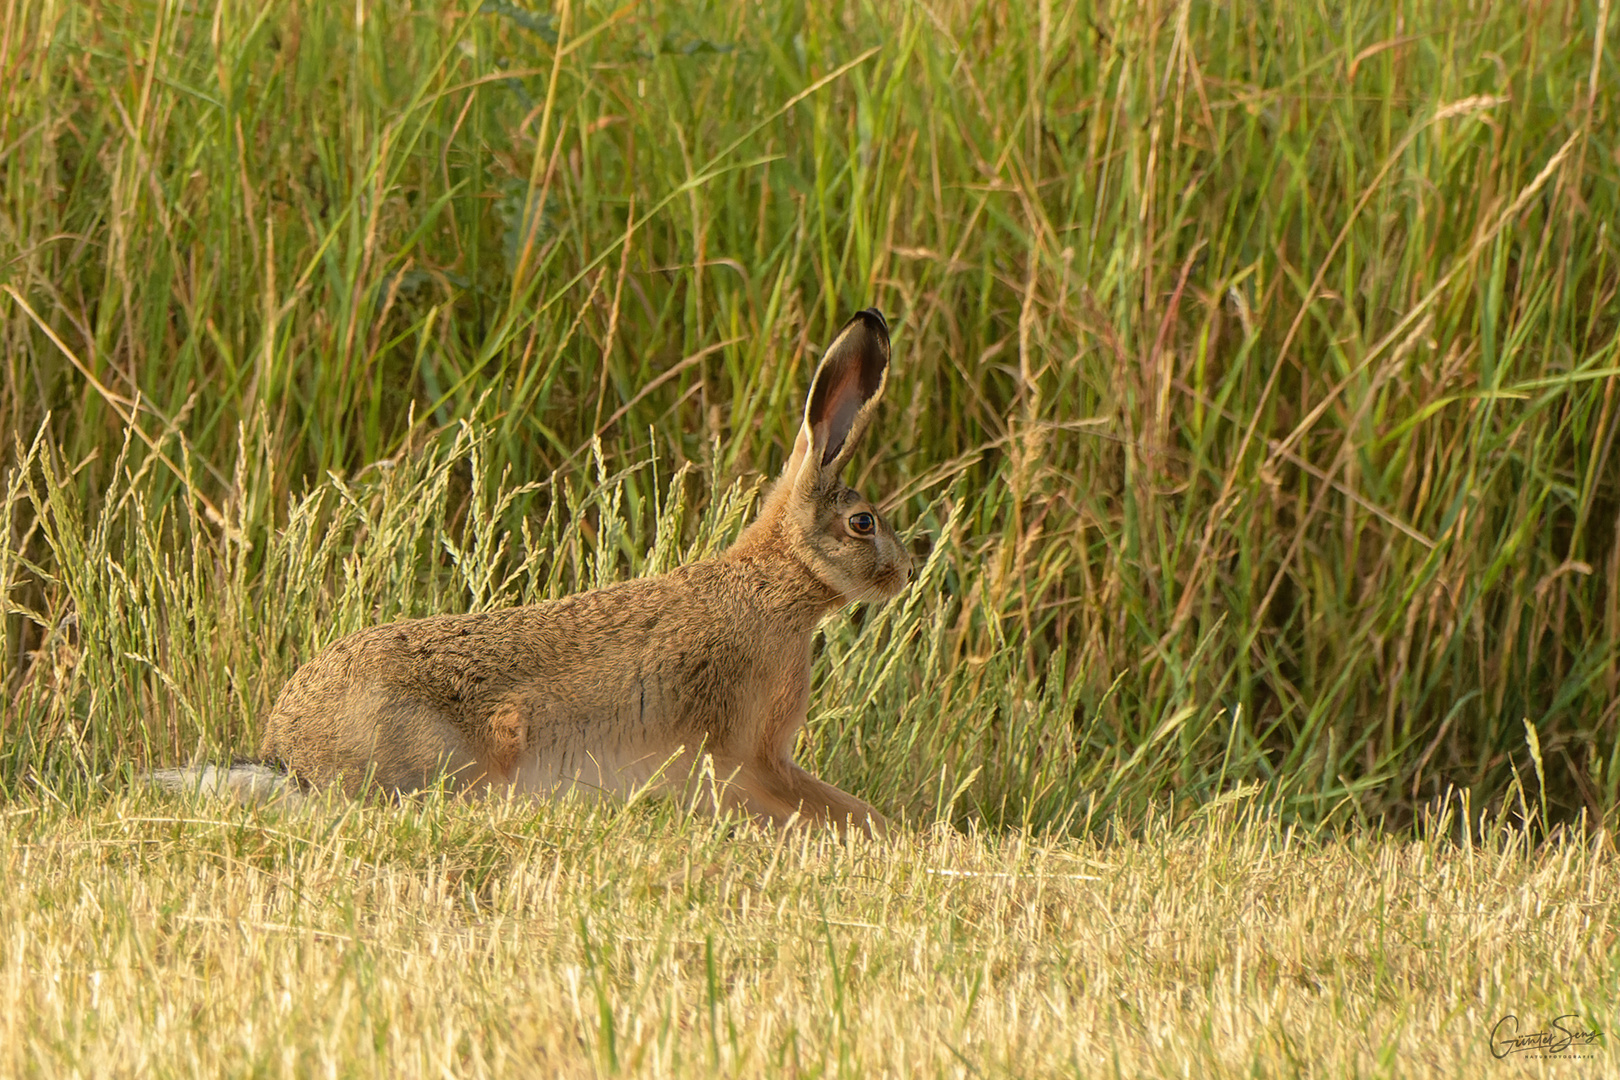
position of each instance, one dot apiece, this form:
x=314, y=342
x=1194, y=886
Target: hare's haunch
x=615, y=688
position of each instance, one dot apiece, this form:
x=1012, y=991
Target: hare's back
x=462, y=667
x=464, y=659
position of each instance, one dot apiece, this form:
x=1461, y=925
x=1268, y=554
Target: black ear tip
x=872, y=315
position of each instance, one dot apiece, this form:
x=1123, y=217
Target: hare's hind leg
x=401, y=747
x=779, y=792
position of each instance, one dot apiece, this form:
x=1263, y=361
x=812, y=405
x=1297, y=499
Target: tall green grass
x=1255, y=368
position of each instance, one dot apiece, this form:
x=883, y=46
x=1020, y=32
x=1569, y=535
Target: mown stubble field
x=149, y=937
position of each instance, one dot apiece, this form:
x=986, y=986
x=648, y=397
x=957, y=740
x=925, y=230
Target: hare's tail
x=250, y=782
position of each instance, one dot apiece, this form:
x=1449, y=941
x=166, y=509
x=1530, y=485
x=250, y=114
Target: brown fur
x=622, y=687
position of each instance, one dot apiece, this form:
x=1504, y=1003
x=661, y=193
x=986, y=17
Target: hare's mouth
x=887, y=585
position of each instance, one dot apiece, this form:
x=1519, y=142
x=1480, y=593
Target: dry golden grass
x=152, y=937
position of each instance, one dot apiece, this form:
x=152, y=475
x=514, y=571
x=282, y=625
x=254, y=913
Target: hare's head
x=829, y=528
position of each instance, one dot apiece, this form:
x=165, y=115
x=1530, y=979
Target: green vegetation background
x=1254, y=390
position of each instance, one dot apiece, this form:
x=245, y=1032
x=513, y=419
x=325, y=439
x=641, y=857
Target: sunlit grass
x=148, y=936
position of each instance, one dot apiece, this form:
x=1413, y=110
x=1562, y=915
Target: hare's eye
x=862, y=524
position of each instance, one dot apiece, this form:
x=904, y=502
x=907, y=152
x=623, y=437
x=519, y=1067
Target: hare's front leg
x=777, y=791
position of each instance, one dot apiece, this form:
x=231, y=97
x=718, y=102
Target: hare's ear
x=843, y=397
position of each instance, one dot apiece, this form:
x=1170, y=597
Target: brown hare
x=632, y=685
